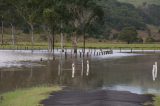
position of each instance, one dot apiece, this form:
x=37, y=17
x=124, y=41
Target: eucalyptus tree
x=128, y=34
x=65, y=18
x=71, y=16
x=7, y=16
x=10, y=18
x=2, y=32
x=84, y=13
x=29, y=10
x=51, y=17
x=56, y=16
x=2, y=9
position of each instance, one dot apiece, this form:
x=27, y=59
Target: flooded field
x=118, y=71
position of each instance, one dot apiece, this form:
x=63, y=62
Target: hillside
x=140, y=2
x=114, y=17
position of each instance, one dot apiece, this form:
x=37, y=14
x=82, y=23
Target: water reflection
x=1, y=75
x=133, y=89
x=132, y=73
x=76, y=67
x=82, y=71
x=31, y=72
x=87, y=72
x=73, y=70
x=154, y=71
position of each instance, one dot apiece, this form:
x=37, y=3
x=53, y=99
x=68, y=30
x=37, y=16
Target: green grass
x=123, y=46
x=157, y=101
x=27, y=97
x=40, y=46
x=117, y=46
x=140, y=2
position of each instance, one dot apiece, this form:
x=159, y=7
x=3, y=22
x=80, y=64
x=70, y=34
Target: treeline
x=87, y=18
x=71, y=17
x=121, y=16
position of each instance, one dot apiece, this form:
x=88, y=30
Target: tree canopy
x=128, y=34
x=95, y=18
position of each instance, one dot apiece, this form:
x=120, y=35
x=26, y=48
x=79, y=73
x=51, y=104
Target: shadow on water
x=130, y=73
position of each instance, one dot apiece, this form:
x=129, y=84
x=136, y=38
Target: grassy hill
x=140, y=2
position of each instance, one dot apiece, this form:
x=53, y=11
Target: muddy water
x=120, y=71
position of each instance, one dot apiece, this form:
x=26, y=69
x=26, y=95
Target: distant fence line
x=45, y=47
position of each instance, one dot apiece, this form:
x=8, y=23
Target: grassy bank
x=27, y=97
x=40, y=46
x=157, y=101
x=123, y=46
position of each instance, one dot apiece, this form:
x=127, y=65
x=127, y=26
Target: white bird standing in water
x=73, y=70
x=87, y=68
x=154, y=71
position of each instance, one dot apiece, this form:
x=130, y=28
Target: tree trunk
x=75, y=44
x=2, y=42
x=128, y=42
x=62, y=42
x=53, y=46
x=53, y=42
x=84, y=43
x=49, y=41
x=13, y=36
x=32, y=36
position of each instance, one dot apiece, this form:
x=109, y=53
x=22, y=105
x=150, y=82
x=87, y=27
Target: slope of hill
x=140, y=2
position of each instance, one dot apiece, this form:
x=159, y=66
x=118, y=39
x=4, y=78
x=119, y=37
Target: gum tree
x=128, y=34
x=56, y=16
x=84, y=13
x=51, y=17
x=29, y=10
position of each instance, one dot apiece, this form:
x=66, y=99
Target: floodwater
x=118, y=71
